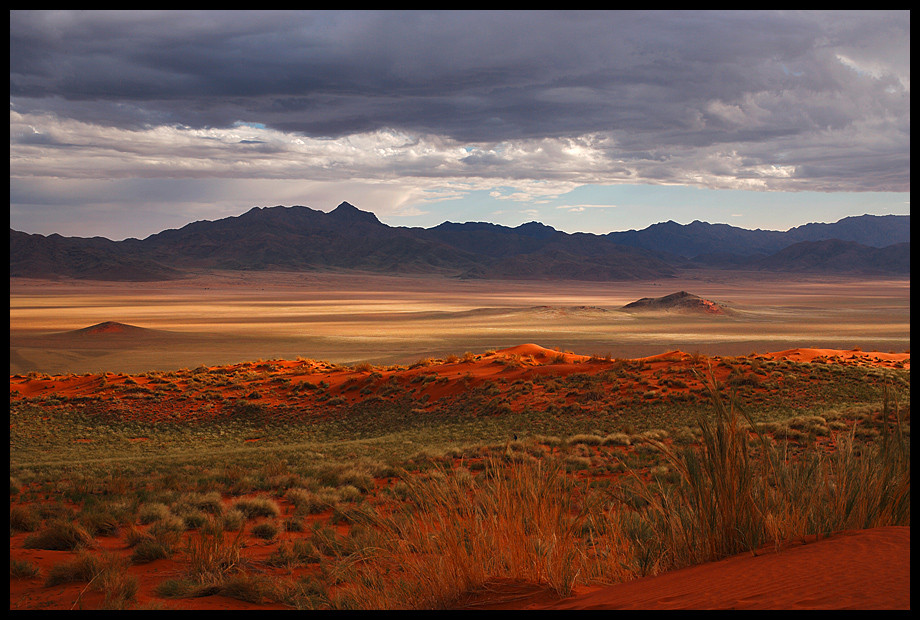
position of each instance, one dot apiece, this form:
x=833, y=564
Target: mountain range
x=348, y=239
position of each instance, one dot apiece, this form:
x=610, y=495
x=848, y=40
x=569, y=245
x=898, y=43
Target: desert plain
x=275, y=440
x=229, y=317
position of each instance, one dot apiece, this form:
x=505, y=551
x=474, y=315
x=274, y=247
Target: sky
x=126, y=123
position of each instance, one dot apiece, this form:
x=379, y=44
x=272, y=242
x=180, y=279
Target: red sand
x=876, y=358
x=433, y=383
x=865, y=569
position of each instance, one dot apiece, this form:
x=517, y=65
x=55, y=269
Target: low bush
x=59, y=535
x=253, y=507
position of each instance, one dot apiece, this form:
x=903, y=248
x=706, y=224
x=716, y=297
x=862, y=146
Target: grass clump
x=233, y=520
x=265, y=530
x=151, y=512
x=24, y=518
x=23, y=569
x=253, y=507
x=150, y=549
x=213, y=555
x=520, y=520
x=731, y=495
x=59, y=535
x=105, y=573
x=82, y=568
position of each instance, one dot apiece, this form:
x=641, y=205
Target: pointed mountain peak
x=537, y=230
x=347, y=212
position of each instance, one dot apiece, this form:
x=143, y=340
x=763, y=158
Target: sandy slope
x=878, y=358
x=864, y=569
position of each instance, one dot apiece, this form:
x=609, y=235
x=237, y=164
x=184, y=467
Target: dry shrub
x=59, y=535
x=523, y=520
x=213, y=554
x=731, y=496
x=23, y=569
x=251, y=587
x=24, y=518
x=254, y=507
x=105, y=573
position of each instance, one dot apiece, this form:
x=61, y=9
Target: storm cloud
x=762, y=100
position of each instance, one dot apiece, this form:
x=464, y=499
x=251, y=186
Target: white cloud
x=582, y=207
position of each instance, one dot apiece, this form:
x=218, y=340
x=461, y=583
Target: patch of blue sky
x=605, y=208
x=249, y=124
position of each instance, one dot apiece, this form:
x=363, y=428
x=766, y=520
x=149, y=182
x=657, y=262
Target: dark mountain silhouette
x=348, y=239
x=836, y=256
x=299, y=238
x=37, y=256
x=718, y=240
x=876, y=231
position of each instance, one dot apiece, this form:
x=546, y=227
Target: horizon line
x=344, y=202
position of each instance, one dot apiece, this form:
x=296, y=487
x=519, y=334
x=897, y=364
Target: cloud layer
x=449, y=102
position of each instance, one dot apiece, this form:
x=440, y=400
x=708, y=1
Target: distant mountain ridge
x=299, y=238
x=701, y=238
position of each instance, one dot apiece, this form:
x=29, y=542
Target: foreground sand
x=865, y=569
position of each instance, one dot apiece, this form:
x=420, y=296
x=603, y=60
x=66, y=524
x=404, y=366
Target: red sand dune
x=457, y=375
x=538, y=353
x=855, y=355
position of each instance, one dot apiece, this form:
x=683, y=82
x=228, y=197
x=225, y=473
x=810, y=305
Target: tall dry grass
x=523, y=518
x=212, y=554
x=517, y=520
x=738, y=489
x=869, y=486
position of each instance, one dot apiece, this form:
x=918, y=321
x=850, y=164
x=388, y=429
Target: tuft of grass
x=586, y=439
x=731, y=495
x=105, y=573
x=869, y=486
x=233, y=520
x=23, y=569
x=265, y=530
x=520, y=520
x=212, y=554
x=151, y=549
x=308, y=592
x=105, y=519
x=24, y=518
x=251, y=587
x=59, y=535
x=194, y=519
x=151, y=512
x=617, y=439
x=253, y=507
x=83, y=568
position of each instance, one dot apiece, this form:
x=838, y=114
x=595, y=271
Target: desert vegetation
x=418, y=487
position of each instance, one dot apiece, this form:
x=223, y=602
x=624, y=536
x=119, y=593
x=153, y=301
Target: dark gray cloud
x=667, y=89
